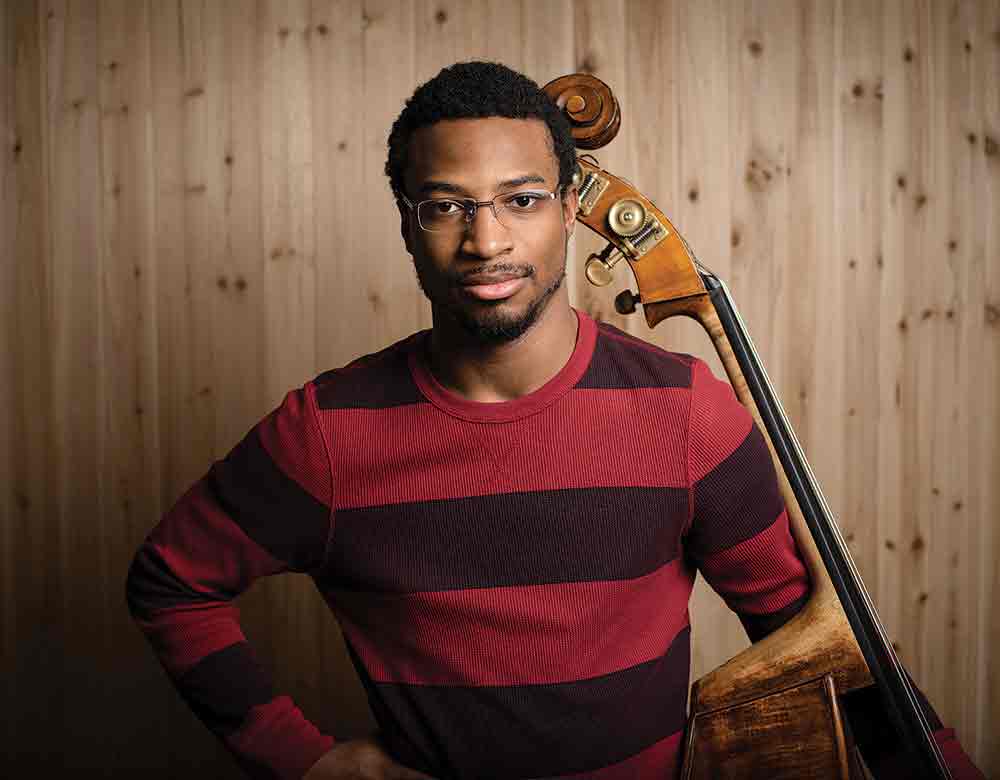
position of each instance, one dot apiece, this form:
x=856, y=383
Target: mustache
x=458, y=277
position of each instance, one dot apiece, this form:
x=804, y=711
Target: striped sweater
x=512, y=579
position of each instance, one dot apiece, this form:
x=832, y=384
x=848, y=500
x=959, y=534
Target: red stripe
x=292, y=438
x=523, y=635
x=660, y=760
x=761, y=574
x=374, y=468
x=208, y=550
x=719, y=423
x=277, y=736
x=182, y=636
x=955, y=757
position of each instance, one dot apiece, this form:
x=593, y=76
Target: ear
x=405, y=215
x=570, y=205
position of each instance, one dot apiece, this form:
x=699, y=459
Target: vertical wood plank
x=811, y=311
x=396, y=305
x=235, y=271
x=342, y=181
x=903, y=431
x=955, y=317
x=854, y=262
x=922, y=279
x=8, y=305
x=187, y=418
x=287, y=195
x=457, y=32
x=547, y=34
x=987, y=410
x=37, y=611
x=128, y=366
x=936, y=334
x=10, y=153
x=891, y=422
x=75, y=224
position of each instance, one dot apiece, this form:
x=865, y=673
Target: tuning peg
x=626, y=301
x=600, y=268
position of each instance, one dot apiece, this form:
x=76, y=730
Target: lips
x=492, y=287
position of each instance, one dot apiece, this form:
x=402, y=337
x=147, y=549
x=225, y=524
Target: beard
x=487, y=323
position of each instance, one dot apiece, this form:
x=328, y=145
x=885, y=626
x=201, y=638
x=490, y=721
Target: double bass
x=776, y=710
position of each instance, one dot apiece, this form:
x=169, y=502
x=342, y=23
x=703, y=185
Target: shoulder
x=624, y=361
x=719, y=424
x=373, y=381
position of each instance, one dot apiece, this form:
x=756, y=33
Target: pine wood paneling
x=194, y=219
x=699, y=164
x=984, y=135
x=32, y=622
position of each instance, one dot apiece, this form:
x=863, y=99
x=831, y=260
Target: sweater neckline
x=517, y=408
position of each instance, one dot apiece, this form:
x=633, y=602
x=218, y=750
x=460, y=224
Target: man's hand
x=361, y=759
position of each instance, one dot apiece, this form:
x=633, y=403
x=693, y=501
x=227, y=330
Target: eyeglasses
x=512, y=210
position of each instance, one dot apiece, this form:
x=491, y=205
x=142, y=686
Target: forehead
x=479, y=154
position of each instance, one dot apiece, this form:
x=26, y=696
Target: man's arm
x=740, y=540
x=262, y=510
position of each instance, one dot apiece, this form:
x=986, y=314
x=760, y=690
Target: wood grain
x=159, y=161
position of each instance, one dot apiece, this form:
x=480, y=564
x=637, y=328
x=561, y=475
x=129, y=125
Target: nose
x=485, y=236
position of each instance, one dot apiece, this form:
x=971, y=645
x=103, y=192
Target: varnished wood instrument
x=776, y=709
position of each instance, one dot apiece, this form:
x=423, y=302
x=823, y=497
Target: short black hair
x=477, y=90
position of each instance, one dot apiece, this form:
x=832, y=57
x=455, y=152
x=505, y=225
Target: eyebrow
x=432, y=185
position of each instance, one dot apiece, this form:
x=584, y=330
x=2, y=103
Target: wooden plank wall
x=193, y=219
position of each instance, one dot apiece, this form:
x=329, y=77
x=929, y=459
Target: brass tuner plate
x=626, y=217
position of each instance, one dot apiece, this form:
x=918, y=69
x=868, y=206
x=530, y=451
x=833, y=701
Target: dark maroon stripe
x=152, y=585
x=759, y=626
x=526, y=538
x=623, y=361
x=269, y=506
x=535, y=730
x=224, y=686
x=375, y=381
x=737, y=499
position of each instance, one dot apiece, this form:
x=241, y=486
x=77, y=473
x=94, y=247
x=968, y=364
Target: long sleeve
x=738, y=535
x=263, y=510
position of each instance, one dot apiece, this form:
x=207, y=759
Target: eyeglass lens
x=510, y=210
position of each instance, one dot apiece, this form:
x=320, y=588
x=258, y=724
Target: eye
x=444, y=208
x=523, y=201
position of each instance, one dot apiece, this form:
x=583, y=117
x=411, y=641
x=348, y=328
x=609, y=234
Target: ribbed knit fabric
x=512, y=579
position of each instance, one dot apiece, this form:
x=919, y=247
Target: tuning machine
x=637, y=228
x=590, y=187
x=600, y=267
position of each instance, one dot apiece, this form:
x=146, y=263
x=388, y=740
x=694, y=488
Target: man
x=505, y=513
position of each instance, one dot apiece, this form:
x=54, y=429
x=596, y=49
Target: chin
x=503, y=321
x=494, y=326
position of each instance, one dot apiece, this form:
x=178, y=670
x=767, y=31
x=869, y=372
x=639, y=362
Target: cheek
x=430, y=256
x=550, y=247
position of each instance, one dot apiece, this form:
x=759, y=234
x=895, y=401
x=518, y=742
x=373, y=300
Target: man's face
x=494, y=280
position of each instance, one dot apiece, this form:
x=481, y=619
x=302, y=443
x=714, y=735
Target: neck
x=503, y=372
